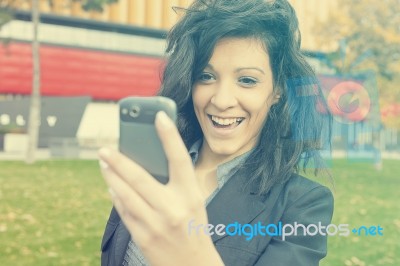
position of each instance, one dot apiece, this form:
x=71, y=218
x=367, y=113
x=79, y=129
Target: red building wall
x=70, y=71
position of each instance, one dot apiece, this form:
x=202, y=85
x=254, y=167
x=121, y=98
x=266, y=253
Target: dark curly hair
x=294, y=130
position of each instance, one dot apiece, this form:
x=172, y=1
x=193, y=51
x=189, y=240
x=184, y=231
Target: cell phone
x=138, y=138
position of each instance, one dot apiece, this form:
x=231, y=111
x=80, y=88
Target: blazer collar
x=237, y=202
x=121, y=244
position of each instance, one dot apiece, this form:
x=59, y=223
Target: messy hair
x=294, y=129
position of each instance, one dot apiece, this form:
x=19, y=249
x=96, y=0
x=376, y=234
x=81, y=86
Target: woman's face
x=233, y=95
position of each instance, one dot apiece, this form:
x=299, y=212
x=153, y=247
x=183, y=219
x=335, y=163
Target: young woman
x=248, y=120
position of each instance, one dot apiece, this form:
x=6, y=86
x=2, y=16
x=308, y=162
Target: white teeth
x=226, y=121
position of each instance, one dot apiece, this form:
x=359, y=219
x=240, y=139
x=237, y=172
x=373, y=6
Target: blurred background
x=64, y=64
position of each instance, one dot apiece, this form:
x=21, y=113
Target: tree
x=367, y=35
x=6, y=7
x=95, y=5
x=35, y=108
x=5, y=11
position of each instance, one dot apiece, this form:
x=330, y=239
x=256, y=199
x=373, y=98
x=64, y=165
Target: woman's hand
x=157, y=215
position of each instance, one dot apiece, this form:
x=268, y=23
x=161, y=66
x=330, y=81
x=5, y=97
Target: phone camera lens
x=135, y=111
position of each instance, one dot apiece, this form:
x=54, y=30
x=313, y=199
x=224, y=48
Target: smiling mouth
x=226, y=123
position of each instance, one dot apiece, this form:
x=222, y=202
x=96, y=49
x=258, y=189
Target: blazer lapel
x=233, y=203
x=123, y=237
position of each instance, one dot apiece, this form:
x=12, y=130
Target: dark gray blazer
x=298, y=200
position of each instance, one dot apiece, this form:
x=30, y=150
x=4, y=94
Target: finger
x=136, y=227
x=179, y=162
x=143, y=232
x=131, y=203
x=134, y=176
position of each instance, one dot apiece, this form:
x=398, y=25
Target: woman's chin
x=223, y=149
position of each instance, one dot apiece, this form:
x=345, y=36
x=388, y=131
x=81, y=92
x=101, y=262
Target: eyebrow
x=250, y=68
x=240, y=68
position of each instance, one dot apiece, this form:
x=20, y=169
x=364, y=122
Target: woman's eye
x=248, y=81
x=206, y=77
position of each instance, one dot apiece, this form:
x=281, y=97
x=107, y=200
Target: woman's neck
x=210, y=160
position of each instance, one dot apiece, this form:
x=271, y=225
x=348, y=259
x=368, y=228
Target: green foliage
x=95, y=5
x=5, y=12
x=367, y=35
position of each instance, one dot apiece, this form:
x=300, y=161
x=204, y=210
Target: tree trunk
x=34, y=112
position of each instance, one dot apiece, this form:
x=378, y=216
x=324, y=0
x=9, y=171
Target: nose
x=224, y=96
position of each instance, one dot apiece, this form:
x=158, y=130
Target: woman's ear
x=276, y=99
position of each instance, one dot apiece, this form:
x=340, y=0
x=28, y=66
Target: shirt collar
x=225, y=170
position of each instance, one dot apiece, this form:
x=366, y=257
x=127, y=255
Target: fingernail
x=103, y=164
x=104, y=153
x=163, y=119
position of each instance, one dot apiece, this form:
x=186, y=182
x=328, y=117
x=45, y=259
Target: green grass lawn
x=54, y=213
x=365, y=196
